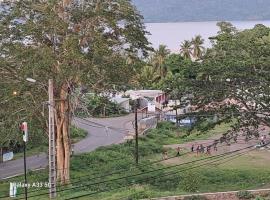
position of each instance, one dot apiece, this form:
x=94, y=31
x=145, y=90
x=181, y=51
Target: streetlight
x=31, y=80
x=52, y=148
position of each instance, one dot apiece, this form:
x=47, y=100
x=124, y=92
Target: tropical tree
x=186, y=49
x=74, y=43
x=197, y=46
x=233, y=80
x=158, y=59
x=148, y=77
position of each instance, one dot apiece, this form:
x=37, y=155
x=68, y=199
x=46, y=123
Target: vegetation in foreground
x=88, y=169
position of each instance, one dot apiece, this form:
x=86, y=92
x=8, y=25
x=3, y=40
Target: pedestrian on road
x=235, y=138
x=165, y=155
x=198, y=149
x=262, y=140
x=208, y=150
x=215, y=147
x=202, y=148
x=178, y=151
x=192, y=148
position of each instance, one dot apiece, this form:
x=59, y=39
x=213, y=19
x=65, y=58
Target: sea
x=173, y=34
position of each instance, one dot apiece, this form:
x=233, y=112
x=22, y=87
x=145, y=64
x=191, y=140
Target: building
x=122, y=102
x=171, y=116
x=152, y=100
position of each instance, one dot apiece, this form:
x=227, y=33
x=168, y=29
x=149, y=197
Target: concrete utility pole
x=136, y=132
x=24, y=129
x=52, y=149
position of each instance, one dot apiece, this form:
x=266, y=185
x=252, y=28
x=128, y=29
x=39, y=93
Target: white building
x=122, y=102
x=148, y=99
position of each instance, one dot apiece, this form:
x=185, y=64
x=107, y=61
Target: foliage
x=73, y=46
x=191, y=181
x=231, y=81
x=186, y=49
x=158, y=60
x=244, y=195
x=148, y=77
x=77, y=134
x=198, y=49
x=99, y=106
x=106, y=160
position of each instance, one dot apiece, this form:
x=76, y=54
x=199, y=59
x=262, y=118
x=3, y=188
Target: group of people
x=201, y=149
x=208, y=148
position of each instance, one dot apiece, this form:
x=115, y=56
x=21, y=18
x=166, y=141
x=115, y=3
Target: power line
x=121, y=170
x=134, y=175
x=149, y=178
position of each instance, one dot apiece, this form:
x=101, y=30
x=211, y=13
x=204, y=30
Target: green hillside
x=203, y=10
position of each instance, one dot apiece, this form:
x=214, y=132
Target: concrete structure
x=122, y=102
x=151, y=100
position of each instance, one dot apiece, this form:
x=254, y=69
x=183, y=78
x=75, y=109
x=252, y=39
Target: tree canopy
x=232, y=81
x=75, y=43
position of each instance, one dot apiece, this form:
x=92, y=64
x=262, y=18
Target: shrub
x=259, y=198
x=77, y=132
x=191, y=182
x=244, y=195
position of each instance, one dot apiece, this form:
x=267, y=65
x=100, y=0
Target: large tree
x=74, y=43
x=197, y=47
x=158, y=59
x=233, y=79
x=186, y=49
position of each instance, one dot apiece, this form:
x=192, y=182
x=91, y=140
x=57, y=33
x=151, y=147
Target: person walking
x=166, y=155
x=198, y=150
x=202, y=148
x=215, y=147
x=208, y=150
x=192, y=148
x=262, y=140
x=178, y=151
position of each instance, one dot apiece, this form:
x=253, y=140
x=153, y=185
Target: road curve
x=98, y=135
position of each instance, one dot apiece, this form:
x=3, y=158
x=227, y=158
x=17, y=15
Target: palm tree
x=186, y=49
x=198, y=49
x=148, y=76
x=159, y=58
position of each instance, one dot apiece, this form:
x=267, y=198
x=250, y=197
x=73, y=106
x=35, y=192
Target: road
x=97, y=136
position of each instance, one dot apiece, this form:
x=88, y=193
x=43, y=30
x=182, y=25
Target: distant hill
x=203, y=10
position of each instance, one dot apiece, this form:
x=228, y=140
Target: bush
x=259, y=198
x=244, y=195
x=77, y=132
x=191, y=182
x=99, y=106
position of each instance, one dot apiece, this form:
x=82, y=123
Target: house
x=122, y=102
x=171, y=116
x=150, y=100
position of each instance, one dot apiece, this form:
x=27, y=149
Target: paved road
x=97, y=136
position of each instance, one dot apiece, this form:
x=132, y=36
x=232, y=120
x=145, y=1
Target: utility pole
x=136, y=132
x=52, y=149
x=24, y=129
x=25, y=177
x=176, y=113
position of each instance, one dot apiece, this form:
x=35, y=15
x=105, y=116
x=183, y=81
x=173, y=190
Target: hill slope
x=203, y=10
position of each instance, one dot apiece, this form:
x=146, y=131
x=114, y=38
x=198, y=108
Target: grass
x=77, y=134
x=31, y=152
x=240, y=174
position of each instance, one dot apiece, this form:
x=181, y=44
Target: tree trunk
x=63, y=138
